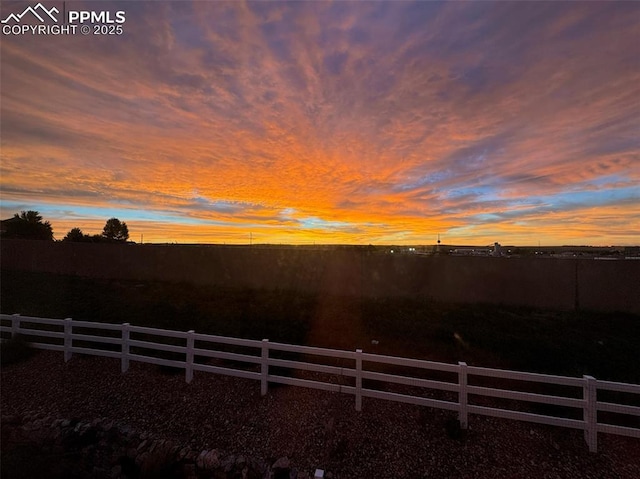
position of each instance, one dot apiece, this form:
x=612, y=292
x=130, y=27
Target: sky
x=330, y=122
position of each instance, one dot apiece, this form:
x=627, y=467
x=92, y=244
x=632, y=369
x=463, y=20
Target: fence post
x=358, y=379
x=68, y=340
x=590, y=415
x=463, y=413
x=189, y=367
x=124, y=365
x=264, y=367
x=15, y=325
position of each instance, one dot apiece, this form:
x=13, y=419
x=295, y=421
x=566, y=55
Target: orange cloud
x=350, y=123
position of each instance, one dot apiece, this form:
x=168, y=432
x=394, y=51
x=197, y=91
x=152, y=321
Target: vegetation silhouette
x=115, y=230
x=27, y=225
x=75, y=235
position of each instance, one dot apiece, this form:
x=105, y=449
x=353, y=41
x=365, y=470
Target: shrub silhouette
x=74, y=235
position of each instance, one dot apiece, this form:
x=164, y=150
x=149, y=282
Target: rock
x=258, y=465
x=116, y=471
x=211, y=460
x=169, y=446
x=228, y=463
x=31, y=426
x=117, y=451
x=282, y=463
x=281, y=468
x=200, y=459
x=191, y=456
x=183, y=453
x=141, y=458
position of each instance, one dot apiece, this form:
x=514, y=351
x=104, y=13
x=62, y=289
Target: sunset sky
x=331, y=122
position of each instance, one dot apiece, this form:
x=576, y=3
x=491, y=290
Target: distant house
x=6, y=225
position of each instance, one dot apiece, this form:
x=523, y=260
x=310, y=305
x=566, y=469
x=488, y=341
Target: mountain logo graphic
x=39, y=11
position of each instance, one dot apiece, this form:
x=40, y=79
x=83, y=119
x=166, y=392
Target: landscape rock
x=228, y=463
x=116, y=471
x=141, y=458
x=200, y=459
x=282, y=463
x=115, y=455
x=211, y=460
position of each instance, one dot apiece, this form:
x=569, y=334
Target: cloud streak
x=373, y=122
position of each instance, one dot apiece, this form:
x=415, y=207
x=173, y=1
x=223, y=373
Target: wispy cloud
x=372, y=121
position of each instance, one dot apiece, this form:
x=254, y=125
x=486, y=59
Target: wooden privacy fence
x=458, y=383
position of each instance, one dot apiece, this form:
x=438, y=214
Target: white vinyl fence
x=454, y=384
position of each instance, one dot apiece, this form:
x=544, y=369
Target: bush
x=15, y=350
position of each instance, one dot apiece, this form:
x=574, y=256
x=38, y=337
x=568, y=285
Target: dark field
x=603, y=345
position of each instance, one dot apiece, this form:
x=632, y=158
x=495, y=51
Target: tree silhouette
x=27, y=225
x=30, y=216
x=115, y=230
x=75, y=235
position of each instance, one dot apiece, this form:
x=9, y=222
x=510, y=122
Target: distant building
x=6, y=225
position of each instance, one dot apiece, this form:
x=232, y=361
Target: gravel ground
x=314, y=429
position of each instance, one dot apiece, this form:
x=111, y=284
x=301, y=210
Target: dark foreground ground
x=603, y=345
x=312, y=429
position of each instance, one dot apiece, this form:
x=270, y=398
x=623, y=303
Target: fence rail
x=138, y=343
